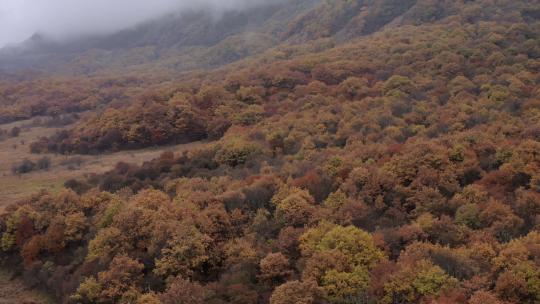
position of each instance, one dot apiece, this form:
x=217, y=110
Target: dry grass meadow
x=13, y=151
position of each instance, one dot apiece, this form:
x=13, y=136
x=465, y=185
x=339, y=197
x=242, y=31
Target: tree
x=275, y=268
x=121, y=279
x=502, y=221
x=527, y=205
x=76, y=225
x=460, y=84
x=107, y=243
x=415, y=282
x=288, y=241
x=296, y=292
x=483, y=297
x=296, y=209
x=468, y=215
x=345, y=287
x=124, y=275
x=397, y=85
x=357, y=245
x=181, y=291
x=236, y=152
x=184, y=254
x=89, y=291
x=31, y=250
x=354, y=87
x=339, y=259
x=55, y=238
x=512, y=287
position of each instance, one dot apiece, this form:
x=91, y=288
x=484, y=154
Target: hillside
x=188, y=39
x=207, y=39
x=372, y=151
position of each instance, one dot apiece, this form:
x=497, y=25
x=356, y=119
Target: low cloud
x=19, y=19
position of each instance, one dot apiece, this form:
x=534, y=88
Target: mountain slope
x=176, y=33
x=399, y=166
x=199, y=39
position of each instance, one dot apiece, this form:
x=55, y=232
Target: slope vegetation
x=400, y=166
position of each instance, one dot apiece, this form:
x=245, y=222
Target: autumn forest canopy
x=355, y=151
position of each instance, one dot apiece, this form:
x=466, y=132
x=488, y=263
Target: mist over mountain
x=209, y=33
x=202, y=25
x=182, y=36
x=63, y=19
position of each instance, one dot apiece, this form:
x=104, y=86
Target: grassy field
x=13, y=291
x=13, y=151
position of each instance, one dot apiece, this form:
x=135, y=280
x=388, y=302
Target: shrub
x=15, y=131
x=44, y=163
x=26, y=166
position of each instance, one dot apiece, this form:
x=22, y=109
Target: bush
x=26, y=166
x=44, y=163
x=15, y=131
x=72, y=163
x=77, y=186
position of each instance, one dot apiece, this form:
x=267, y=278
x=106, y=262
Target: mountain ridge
x=180, y=31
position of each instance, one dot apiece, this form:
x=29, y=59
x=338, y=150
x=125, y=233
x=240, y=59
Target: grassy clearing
x=15, y=150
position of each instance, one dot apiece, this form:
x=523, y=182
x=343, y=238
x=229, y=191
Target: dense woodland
x=352, y=163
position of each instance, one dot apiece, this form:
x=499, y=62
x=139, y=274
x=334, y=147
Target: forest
x=381, y=151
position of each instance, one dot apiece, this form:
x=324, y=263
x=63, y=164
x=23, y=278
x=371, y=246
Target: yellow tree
x=339, y=259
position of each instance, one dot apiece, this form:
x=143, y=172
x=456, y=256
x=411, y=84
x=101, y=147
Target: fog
x=60, y=19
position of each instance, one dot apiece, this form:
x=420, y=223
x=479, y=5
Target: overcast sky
x=19, y=19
